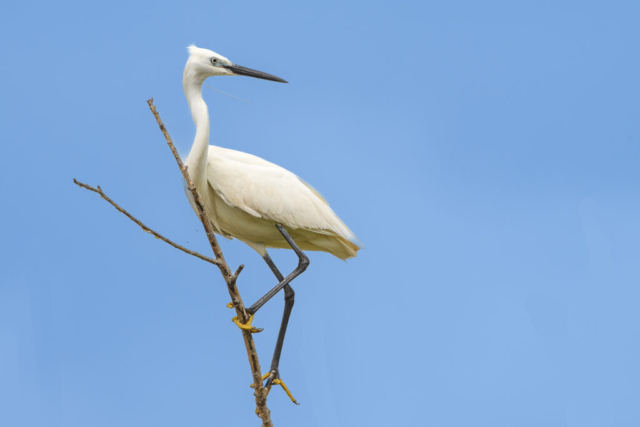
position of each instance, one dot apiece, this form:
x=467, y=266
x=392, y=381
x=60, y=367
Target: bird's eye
x=214, y=61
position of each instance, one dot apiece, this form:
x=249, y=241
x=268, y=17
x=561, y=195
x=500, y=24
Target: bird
x=256, y=201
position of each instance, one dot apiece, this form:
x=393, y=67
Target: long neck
x=197, y=160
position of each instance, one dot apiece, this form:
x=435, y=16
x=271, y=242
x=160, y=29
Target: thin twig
x=144, y=227
x=230, y=278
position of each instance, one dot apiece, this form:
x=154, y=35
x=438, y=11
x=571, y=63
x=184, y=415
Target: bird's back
x=251, y=194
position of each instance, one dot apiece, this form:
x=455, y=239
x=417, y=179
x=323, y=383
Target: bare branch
x=230, y=278
x=260, y=391
x=144, y=227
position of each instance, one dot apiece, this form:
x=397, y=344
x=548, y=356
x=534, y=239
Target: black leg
x=289, y=296
x=303, y=263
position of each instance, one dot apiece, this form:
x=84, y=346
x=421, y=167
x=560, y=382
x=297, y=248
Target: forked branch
x=230, y=278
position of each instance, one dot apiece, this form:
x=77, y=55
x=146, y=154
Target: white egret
x=255, y=201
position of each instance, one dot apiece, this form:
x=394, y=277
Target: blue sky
x=486, y=153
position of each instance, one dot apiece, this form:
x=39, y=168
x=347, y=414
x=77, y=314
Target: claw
x=276, y=381
x=247, y=326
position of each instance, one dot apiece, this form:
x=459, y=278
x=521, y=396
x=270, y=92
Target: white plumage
x=246, y=195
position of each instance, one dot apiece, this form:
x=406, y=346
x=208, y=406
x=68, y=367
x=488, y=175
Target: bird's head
x=203, y=63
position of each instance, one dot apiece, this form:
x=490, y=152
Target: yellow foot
x=284, y=386
x=247, y=326
x=264, y=377
x=280, y=383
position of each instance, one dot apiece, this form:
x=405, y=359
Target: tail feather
x=329, y=242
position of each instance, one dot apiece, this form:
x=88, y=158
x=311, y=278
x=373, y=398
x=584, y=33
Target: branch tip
x=240, y=268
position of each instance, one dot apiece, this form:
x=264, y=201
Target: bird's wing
x=268, y=191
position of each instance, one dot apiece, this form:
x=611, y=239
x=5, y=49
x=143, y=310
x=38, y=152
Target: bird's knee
x=303, y=263
x=289, y=294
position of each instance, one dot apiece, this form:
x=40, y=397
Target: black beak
x=243, y=71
